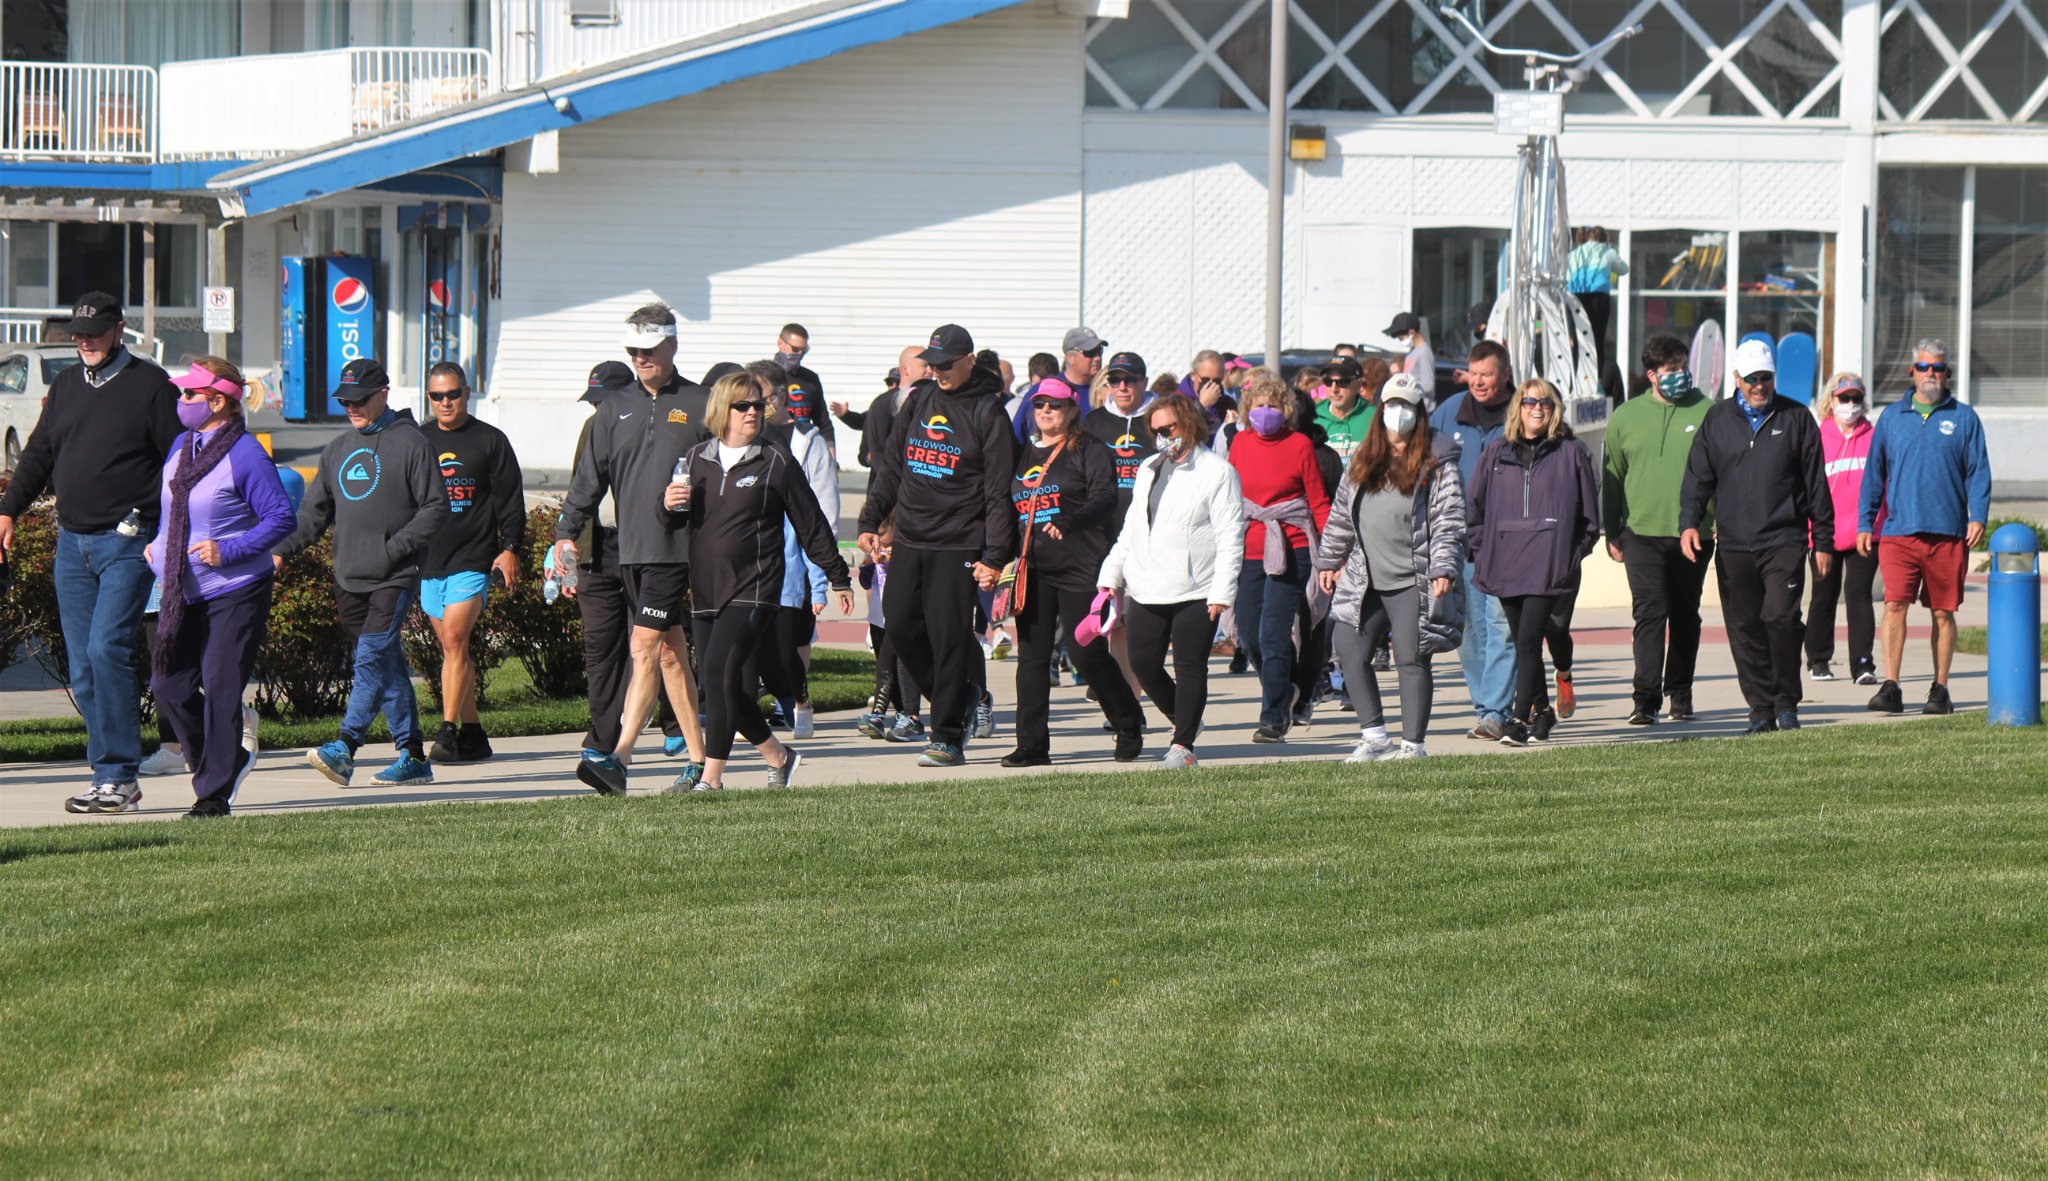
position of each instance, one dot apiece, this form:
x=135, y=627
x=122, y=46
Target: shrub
x=488, y=646
x=28, y=614
x=307, y=661
x=547, y=640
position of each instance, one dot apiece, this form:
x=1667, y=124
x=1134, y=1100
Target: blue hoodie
x=1931, y=475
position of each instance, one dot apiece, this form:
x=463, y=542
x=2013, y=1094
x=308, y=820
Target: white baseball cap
x=646, y=336
x=1754, y=356
x=1402, y=387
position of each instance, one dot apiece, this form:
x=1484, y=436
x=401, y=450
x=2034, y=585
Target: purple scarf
x=178, y=536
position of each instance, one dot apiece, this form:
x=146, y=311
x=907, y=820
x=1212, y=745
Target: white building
x=1871, y=171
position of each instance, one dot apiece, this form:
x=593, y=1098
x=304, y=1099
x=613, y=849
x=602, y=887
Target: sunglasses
x=1123, y=379
x=1094, y=354
x=1850, y=396
x=1760, y=379
x=351, y=403
x=1930, y=367
x=448, y=395
x=750, y=406
x=1169, y=431
x=1047, y=403
x=1545, y=403
x=633, y=352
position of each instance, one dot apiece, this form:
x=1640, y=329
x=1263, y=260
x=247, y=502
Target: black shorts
x=657, y=595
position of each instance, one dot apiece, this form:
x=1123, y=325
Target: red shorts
x=1926, y=568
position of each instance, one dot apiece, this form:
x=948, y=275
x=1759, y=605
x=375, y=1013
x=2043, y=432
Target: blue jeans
x=382, y=683
x=1266, y=604
x=1487, y=660
x=102, y=586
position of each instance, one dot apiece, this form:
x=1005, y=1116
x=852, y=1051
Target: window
x=1678, y=280
x=2008, y=362
x=93, y=256
x=28, y=266
x=1787, y=287
x=14, y=374
x=1919, y=268
x=1455, y=269
x=2002, y=81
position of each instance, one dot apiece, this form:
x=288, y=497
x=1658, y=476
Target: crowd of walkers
x=1322, y=525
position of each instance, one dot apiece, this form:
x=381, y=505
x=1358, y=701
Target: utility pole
x=1276, y=176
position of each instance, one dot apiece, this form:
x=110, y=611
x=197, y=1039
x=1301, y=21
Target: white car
x=26, y=372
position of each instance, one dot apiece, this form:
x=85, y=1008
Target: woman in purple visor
x=224, y=507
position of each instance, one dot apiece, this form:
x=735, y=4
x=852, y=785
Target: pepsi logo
x=351, y=295
x=437, y=295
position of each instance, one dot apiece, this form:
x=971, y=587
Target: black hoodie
x=946, y=471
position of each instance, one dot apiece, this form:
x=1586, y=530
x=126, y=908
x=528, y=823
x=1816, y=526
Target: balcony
x=60, y=111
x=250, y=108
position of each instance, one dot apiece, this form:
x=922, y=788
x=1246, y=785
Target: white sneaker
x=1179, y=758
x=802, y=725
x=249, y=742
x=1407, y=750
x=164, y=762
x=1370, y=751
x=1001, y=649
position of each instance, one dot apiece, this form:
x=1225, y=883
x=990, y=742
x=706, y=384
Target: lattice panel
x=1229, y=215
x=1792, y=192
x=1467, y=186
x=2014, y=27
x=1597, y=190
x=1136, y=262
x=1359, y=186
x=1680, y=188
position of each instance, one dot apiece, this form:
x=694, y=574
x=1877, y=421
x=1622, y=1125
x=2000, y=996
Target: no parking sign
x=217, y=310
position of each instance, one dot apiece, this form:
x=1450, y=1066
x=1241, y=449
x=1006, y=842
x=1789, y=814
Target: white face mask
x=1400, y=417
x=1847, y=413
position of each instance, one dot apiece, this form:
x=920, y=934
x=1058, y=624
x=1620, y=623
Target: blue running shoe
x=591, y=752
x=333, y=761
x=674, y=746
x=406, y=772
x=603, y=774
x=941, y=754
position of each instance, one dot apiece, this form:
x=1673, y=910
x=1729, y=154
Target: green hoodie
x=1648, y=440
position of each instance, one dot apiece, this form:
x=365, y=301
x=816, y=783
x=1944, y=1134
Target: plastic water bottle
x=558, y=579
x=550, y=590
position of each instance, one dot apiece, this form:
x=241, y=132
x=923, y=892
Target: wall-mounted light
x=1305, y=141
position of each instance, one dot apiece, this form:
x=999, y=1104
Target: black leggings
x=1857, y=573
x=1049, y=614
x=1557, y=630
x=781, y=663
x=729, y=702
x=893, y=682
x=1528, y=619
x=1148, y=629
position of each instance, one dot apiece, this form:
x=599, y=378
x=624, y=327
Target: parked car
x=25, y=377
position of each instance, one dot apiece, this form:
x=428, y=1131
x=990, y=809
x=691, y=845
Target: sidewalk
x=543, y=767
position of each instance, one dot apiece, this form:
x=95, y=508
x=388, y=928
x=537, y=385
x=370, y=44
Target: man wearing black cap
x=945, y=474
x=600, y=597
x=637, y=438
x=1121, y=422
x=380, y=490
x=1345, y=414
x=100, y=446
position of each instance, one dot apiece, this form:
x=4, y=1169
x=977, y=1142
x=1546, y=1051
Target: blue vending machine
x=327, y=318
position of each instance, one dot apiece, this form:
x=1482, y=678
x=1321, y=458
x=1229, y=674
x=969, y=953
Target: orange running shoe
x=1567, y=701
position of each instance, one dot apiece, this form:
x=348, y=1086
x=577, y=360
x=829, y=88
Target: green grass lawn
x=1808, y=954
x=840, y=679
x=1973, y=640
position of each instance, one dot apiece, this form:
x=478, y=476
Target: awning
x=792, y=38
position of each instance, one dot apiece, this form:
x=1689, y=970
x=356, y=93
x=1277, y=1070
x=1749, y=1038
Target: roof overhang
x=792, y=38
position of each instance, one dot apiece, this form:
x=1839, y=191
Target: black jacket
x=100, y=449
x=946, y=471
x=805, y=396
x=635, y=441
x=1767, y=486
x=736, y=520
x=486, y=498
x=876, y=424
x=1079, y=496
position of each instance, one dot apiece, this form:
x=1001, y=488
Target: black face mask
x=790, y=360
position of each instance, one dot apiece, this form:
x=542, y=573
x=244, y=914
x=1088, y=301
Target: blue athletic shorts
x=438, y=594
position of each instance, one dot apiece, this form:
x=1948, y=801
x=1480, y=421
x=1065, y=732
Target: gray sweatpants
x=1395, y=614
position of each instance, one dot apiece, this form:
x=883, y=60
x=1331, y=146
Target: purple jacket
x=1530, y=527
x=241, y=504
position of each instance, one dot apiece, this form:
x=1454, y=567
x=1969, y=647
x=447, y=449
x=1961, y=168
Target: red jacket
x=1273, y=470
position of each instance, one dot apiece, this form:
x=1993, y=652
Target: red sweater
x=1273, y=470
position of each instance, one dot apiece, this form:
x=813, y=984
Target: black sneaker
x=1888, y=699
x=1642, y=717
x=1513, y=733
x=1938, y=701
x=1819, y=671
x=1788, y=719
x=447, y=745
x=1867, y=676
x=1542, y=724
x=1240, y=662
x=1762, y=726
x=208, y=808
x=1680, y=709
x=1027, y=758
x=472, y=745
x=1129, y=745
x=1268, y=734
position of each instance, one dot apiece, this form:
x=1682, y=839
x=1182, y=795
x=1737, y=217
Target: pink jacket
x=1842, y=459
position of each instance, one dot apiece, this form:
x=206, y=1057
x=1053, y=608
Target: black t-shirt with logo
x=1077, y=494
x=1129, y=439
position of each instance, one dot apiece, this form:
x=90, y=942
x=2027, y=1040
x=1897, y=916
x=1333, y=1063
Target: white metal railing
x=63, y=111
x=20, y=326
x=273, y=104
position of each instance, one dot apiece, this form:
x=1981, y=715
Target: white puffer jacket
x=1194, y=547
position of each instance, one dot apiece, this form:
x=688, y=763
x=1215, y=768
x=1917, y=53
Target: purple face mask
x=1266, y=420
x=193, y=414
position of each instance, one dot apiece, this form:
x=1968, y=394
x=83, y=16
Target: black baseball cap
x=1344, y=369
x=361, y=379
x=721, y=370
x=606, y=377
x=949, y=343
x=94, y=313
x=1130, y=363
x=1403, y=324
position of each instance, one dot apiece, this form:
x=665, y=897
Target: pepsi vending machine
x=328, y=318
